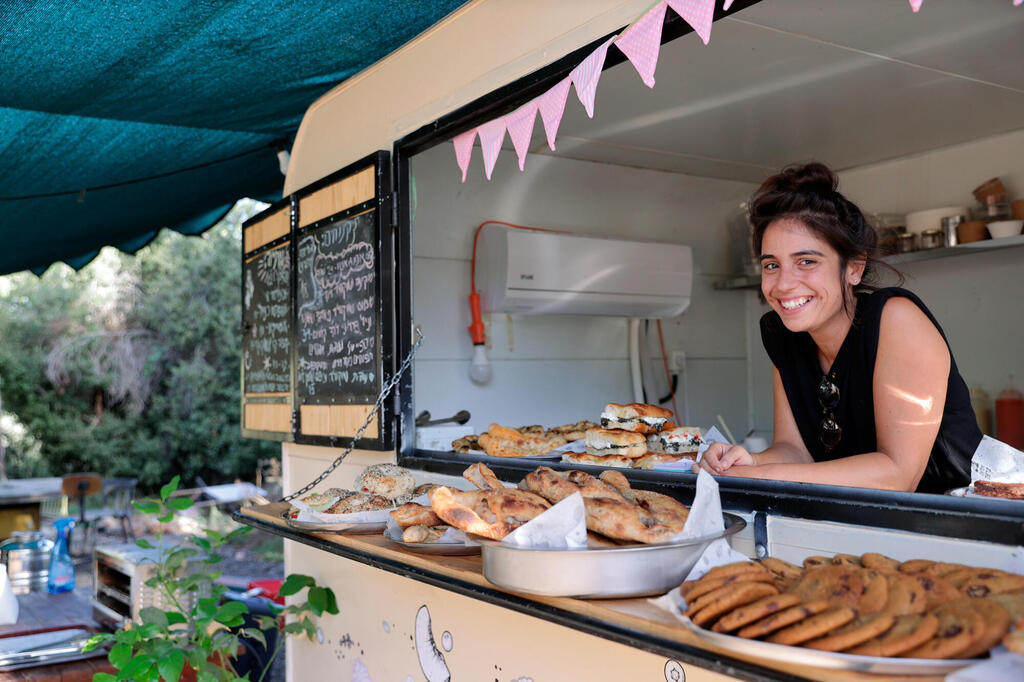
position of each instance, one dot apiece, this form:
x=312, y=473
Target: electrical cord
x=668, y=375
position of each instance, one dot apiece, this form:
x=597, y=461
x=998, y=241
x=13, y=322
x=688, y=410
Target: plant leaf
x=146, y=506
x=317, y=599
x=230, y=614
x=332, y=602
x=254, y=633
x=144, y=543
x=151, y=614
x=170, y=666
x=295, y=582
x=179, y=503
x=169, y=488
x=166, y=518
x=103, y=677
x=135, y=667
x=120, y=654
x=175, y=618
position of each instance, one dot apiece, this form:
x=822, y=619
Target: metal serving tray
x=335, y=527
x=598, y=573
x=828, y=659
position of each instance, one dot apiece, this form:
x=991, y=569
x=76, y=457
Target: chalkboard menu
x=317, y=321
x=338, y=356
x=266, y=322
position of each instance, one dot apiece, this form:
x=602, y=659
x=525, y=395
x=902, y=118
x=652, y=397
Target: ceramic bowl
x=1005, y=228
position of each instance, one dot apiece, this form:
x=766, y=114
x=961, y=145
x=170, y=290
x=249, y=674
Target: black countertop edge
x=974, y=518
x=592, y=626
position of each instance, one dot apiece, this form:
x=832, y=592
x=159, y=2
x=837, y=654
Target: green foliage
x=131, y=366
x=195, y=629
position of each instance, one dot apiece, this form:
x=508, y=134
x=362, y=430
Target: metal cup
x=949, y=224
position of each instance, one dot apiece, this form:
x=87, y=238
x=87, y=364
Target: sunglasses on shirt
x=829, y=432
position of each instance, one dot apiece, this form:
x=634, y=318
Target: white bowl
x=1005, y=228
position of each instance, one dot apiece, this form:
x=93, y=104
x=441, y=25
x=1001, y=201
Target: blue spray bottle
x=62, y=569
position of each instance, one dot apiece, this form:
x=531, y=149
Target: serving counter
x=480, y=629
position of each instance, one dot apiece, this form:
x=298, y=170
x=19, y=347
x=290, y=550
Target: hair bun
x=811, y=177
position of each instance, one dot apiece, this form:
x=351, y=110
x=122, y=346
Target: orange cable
x=668, y=376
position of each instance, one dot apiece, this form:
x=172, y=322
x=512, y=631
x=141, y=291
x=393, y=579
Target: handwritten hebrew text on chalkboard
x=338, y=352
x=265, y=350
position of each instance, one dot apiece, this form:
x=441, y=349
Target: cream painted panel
x=577, y=196
x=428, y=76
x=796, y=539
x=375, y=636
x=547, y=392
x=712, y=327
x=441, y=288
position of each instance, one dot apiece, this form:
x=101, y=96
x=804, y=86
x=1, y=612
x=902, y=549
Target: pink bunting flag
x=492, y=134
x=726, y=5
x=552, y=105
x=587, y=74
x=697, y=13
x=464, y=149
x=520, y=129
x=641, y=43
x=915, y=5
x=1017, y=2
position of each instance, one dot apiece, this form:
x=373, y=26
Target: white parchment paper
x=562, y=526
x=307, y=515
x=996, y=461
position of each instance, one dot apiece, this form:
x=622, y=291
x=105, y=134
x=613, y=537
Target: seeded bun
x=598, y=460
x=388, y=480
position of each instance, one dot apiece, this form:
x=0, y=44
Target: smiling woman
x=866, y=392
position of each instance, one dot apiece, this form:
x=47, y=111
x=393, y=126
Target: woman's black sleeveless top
x=795, y=355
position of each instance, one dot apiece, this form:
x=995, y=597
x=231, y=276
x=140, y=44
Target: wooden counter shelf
x=633, y=622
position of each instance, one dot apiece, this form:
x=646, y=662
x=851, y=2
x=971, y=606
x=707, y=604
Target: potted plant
x=197, y=636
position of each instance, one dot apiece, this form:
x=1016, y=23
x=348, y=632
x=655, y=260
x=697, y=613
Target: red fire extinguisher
x=1010, y=418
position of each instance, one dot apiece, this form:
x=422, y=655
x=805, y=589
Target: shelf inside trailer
x=986, y=245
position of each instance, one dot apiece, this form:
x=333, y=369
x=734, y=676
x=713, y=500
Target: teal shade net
x=121, y=118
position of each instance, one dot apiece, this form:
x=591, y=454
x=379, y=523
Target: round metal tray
x=449, y=548
x=334, y=527
x=597, y=573
x=827, y=659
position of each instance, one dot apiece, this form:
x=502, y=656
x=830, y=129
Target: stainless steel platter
x=394, y=535
x=598, y=573
x=827, y=659
x=334, y=527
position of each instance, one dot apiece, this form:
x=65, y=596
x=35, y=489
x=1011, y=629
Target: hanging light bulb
x=480, y=371
x=283, y=157
x=479, y=367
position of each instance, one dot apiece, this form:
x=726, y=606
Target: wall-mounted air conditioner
x=522, y=271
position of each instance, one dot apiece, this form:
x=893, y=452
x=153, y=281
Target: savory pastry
x=482, y=477
x=318, y=502
x=638, y=417
x=360, y=502
x=651, y=460
x=573, y=432
x=387, y=480
x=413, y=514
x=675, y=441
x=501, y=441
x=424, y=488
x=666, y=510
x=423, y=533
x=465, y=444
x=617, y=461
x=490, y=513
x=604, y=442
x=1012, y=491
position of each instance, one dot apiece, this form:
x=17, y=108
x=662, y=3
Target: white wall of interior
x=976, y=298
x=557, y=369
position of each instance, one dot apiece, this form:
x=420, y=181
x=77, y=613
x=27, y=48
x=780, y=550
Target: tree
x=131, y=366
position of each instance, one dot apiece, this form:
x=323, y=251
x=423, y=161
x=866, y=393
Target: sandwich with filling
x=675, y=440
x=636, y=417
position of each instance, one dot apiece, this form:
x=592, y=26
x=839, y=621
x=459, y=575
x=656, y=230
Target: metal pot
x=27, y=557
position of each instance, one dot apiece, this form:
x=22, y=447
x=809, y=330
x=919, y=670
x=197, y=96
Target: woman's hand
x=719, y=457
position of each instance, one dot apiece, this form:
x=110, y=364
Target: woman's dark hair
x=808, y=193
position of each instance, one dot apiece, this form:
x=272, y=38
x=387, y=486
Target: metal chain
x=369, y=418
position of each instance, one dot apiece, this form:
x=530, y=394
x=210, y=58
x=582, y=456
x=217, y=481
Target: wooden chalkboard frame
x=253, y=247
x=381, y=204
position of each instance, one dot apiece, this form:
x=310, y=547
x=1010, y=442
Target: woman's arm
x=787, y=444
x=909, y=387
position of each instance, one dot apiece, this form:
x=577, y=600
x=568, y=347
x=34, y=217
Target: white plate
x=450, y=548
x=799, y=655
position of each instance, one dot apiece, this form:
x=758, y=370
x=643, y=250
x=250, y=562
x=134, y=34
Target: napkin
x=307, y=515
x=452, y=536
x=1003, y=666
x=706, y=519
x=563, y=526
x=997, y=461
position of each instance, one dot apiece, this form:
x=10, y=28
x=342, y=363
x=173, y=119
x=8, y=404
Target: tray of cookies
x=868, y=613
